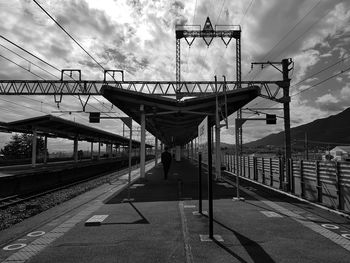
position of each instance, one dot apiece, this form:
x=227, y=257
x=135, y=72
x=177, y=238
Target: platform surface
x=161, y=225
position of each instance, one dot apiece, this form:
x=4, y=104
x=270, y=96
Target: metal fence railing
x=324, y=182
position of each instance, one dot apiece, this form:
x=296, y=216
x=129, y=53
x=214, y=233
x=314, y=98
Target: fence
x=322, y=182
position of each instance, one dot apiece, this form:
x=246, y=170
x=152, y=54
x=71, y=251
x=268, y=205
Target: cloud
x=345, y=92
x=329, y=103
x=327, y=98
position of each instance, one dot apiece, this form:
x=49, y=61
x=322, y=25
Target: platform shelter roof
x=53, y=126
x=175, y=122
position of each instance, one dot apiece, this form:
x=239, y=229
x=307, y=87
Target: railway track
x=17, y=199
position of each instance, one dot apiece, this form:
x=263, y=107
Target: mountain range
x=333, y=130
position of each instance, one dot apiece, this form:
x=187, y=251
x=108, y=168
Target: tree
x=20, y=147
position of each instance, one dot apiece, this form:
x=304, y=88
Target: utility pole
x=286, y=111
x=284, y=85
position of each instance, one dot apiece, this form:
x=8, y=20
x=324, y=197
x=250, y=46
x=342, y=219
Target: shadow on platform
x=182, y=184
x=255, y=251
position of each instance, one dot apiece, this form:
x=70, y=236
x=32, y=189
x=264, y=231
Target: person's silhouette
x=166, y=161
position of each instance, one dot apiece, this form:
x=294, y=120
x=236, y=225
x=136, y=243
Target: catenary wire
x=313, y=75
x=38, y=58
x=287, y=34
x=70, y=36
x=34, y=75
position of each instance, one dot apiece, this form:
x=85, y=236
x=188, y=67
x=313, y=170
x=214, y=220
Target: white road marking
x=205, y=238
x=330, y=226
x=14, y=246
x=95, y=220
x=346, y=236
x=36, y=234
x=271, y=214
x=196, y=213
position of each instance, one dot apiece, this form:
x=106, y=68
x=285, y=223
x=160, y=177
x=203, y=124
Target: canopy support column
x=92, y=151
x=217, y=141
x=34, y=146
x=143, y=143
x=99, y=150
x=75, y=149
x=192, y=156
x=45, y=149
x=156, y=151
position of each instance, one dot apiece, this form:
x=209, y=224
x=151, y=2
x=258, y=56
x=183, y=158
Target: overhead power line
x=20, y=66
x=43, y=61
x=287, y=34
x=222, y=6
x=302, y=34
x=246, y=11
x=316, y=84
x=319, y=83
x=30, y=53
x=194, y=12
x=312, y=75
x=322, y=70
x=21, y=105
x=290, y=30
x=13, y=52
x=70, y=36
x=40, y=77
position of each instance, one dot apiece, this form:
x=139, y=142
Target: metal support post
x=217, y=137
x=45, y=149
x=238, y=163
x=200, y=183
x=75, y=149
x=34, y=147
x=99, y=150
x=178, y=65
x=286, y=112
x=130, y=153
x=156, y=151
x=239, y=142
x=340, y=205
x=92, y=151
x=143, y=143
x=192, y=152
x=107, y=150
x=210, y=183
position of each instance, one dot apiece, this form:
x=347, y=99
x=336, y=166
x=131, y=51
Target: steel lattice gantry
x=208, y=33
x=164, y=88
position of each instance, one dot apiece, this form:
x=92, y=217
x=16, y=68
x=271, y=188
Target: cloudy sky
x=138, y=36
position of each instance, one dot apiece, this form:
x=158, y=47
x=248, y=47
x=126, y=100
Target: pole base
x=128, y=200
x=197, y=213
x=238, y=199
x=207, y=238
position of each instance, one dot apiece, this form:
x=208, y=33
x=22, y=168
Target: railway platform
x=162, y=224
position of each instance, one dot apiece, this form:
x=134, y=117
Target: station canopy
x=175, y=122
x=52, y=126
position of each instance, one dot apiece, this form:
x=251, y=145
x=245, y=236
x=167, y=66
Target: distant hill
x=334, y=129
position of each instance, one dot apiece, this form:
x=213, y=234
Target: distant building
x=340, y=153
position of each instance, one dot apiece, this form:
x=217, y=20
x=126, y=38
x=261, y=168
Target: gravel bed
x=17, y=213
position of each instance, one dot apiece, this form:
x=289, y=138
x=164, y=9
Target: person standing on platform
x=166, y=161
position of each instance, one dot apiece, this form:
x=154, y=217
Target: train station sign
x=203, y=140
